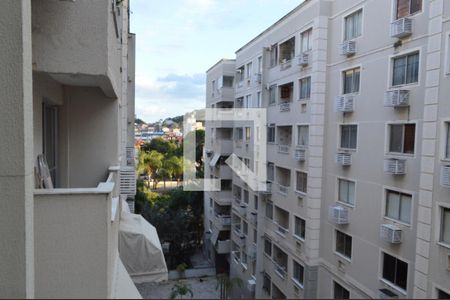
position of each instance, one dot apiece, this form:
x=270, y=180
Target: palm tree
x=225, y=284
x=181, y=289
x=174, y=165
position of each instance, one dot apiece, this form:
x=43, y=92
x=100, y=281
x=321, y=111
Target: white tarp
x=140, y=249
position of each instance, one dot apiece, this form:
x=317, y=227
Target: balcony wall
x=75, y=241
x=76, y=43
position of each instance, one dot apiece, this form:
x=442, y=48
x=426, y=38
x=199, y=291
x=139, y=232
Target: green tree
x=160, y=145
x=181, y=289
x=150, y=163
x=174, y=166
x=225, y=284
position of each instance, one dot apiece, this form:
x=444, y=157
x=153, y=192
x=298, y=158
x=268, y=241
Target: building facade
x=357, y=164
x=68, y=99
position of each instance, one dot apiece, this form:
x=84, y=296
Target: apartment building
x=357, y=140
x=67, y=86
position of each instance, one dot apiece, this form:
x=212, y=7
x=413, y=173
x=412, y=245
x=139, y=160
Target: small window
x=353, y=25
x=395, y=271
x=246, y=195
x=408, y=7
x=213, y=87
x=305, y=88
x=271, y=133
x=249, y=70
x=268, y=247
x=299, y=271
x=274, y=55
x=398, y=206
x=267, y=284
x=302, y=182
x=258, y=100
x=445, y=226
x=247, y=133
x=269, y=210
x=402, y=138
x=340, y=292
x=255, y=236
x=344, y=244
x=245, y=228
x=272, y=94
x=405, y=69
x=210, y=202
x=348, y=136
x=270, y=172
x=228, y=81
x=351, y=81
x=239, y=134
x=248, y=101
x=447, y=140
x=299, y=227
x=255, y=202
x=306, y=41
x=302, y=135
x=346, y=192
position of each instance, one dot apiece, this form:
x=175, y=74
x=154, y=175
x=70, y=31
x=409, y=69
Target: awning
x=140, y=249
x=214, y=160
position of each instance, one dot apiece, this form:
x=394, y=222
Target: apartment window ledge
x=352, y=206
x=445, y=160
x=443, y=244
x=397, y=222
x=340, y=255
x=297, y=283
x=347, y=150
x=300, y=193
x=400, y=86
x=391, y=285
x=304, y=99
x=401, y=155
x=299, y=238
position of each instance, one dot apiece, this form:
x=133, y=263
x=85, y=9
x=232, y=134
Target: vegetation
x=226, y=284
x=181, y=289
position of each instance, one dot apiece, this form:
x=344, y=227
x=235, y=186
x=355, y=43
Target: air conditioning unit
x=268, y=190
x=348, y=48
x=300, y=154
x=303, y=59
x=258, y=78
x=445, y=176
x=344, y=159
x=395, y=166
x=386, y=294
x=338, y=215
x=390, y=233
x=401, y=28
x=128, y=181
x=396, y=98
x=251, y=285
x=344, y=103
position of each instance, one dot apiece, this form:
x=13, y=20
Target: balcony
x=241, y=241
x=280, y=262
x=222, y=197
x=401, y=28
x=344, y=159
x=395, y=166
x=344, y=103
x=253, y=218
x=287, y=53
x=223, y=247
x=268, y=190
x=396, y=98
x=243, y=210
x=223, y=222
x=283, y=190
x=348, y=48
x=86, y=53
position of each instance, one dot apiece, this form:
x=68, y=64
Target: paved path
x=203, y=288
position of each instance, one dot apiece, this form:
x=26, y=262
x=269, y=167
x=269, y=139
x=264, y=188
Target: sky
x=178, y=40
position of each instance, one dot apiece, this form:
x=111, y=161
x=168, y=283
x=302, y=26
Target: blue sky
x=178, y=40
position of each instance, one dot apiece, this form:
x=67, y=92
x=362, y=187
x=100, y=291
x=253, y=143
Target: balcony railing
x=280, y=270
x=281, y=229
x=224, y=220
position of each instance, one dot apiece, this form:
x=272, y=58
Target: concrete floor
x=203, y=288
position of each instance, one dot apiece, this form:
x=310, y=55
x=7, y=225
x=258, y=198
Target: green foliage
x=181, y=289
x=160, y=145
x=139, y=121
x=182, y=267
x=225, y=284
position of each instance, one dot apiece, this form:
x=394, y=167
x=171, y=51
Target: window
x=305, y=88
x=408, y=7
x=258, y=99
x=213, y=87
x=343, y=244
x=255, y=202
x=346, y=192
x=406, y=69
x=255, y=236
x=351, y=80
x=269, y=210
x=302, y=182
x=402, y=137
x=302, y=135
x=271, y=133
x=268, y=247
x=244, y=259
x=245, y=196
x=210, y=202
x=247, y=133
x=245, y=228
x=442, y=295
x=353, y=25
x=272, y=94
x=398, y=206
x=445, y=226
x=270, y=172
x=267, y=284
x=340, y=292
x=249, y=70
x=239, y=134
x=274, y=55
x=248, y=101
x=50, y=139
x=349, y=136
x=298, y=275
x=260, y=66
x=227, y=81
x=447, y=141
x=306, y=40
x=299, y=227
x=395, y=271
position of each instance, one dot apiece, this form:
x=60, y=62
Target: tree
x=181, y=289
x=226, y=284
x=150, y=163
x=174, y=166
x=160, y=145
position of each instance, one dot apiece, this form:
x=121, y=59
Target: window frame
x=304, y=181
x=308, y=89
x=274, y=128
x=385, y=206
x=304, y=146
x=406, y=54
x=298, y=281
x=345, y=36
x=302, y=224
x=344, y=77
x=336, y=284
x=338, y=190
x=308, y=31
x=344, y=253
x=340, y=136
x=273, y=92
x=387, y=281
x=395, y=11
x=389, y=138
x=442, y=210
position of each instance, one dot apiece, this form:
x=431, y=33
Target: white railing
x=224, y=220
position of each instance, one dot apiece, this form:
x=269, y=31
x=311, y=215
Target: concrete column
x=16, y=148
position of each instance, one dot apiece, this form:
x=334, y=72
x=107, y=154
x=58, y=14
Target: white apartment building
x=357, y=153
x=67, y=85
